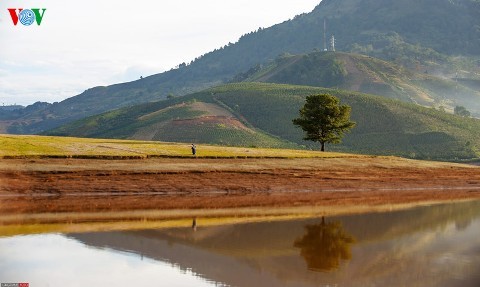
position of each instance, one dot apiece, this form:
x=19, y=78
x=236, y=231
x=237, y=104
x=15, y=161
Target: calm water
x=427, y=246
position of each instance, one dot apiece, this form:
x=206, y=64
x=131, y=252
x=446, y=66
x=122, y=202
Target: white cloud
x=81, y=44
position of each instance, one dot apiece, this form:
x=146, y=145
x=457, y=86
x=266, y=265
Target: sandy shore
x=46, y=186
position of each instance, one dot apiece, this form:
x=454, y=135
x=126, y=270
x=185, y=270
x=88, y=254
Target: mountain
x=441, y=37
x=265, y=111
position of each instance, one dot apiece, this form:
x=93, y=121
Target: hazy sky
x=82, y=44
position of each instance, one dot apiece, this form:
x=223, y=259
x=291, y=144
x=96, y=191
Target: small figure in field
x=194, y=149
x=194, y=224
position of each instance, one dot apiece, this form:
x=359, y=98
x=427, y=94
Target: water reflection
x=56, y=260
x=324, y=245
x=425, y=246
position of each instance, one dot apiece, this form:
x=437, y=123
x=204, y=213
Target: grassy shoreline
x=22, y=146
x=162, y=185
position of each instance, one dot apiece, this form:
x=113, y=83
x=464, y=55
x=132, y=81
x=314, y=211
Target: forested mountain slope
x=369, y=75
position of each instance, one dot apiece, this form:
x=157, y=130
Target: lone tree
x=324, y=120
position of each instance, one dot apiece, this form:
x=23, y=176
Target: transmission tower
x=325, y=34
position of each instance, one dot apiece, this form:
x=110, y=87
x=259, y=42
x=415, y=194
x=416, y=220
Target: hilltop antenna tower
x=324, y=34
x=332, y=43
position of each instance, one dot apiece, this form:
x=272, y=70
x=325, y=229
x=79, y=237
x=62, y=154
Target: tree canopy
x=324, y=120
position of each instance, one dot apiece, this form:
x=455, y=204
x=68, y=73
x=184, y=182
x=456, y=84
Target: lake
x=436, y=245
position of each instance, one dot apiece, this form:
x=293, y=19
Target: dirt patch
x=211, y=109
x=69, y=185
x=224, y=121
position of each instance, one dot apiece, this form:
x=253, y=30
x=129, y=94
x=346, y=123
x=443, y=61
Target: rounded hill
x=260, y=114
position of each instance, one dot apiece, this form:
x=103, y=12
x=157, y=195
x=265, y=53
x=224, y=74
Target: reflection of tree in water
x=324, y=245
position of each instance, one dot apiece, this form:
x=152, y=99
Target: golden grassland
x=21, y=146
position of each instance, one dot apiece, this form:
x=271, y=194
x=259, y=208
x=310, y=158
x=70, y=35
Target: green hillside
x=261, y=114
x=179, y=120
x=441, y=37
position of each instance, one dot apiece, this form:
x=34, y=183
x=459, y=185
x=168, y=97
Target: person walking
x=194, y=149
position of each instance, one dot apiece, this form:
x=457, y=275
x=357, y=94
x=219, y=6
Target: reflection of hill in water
x=390, y=248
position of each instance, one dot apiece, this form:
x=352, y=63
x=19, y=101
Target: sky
x=82, y=44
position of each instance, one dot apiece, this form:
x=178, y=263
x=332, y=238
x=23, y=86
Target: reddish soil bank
x=74, y=185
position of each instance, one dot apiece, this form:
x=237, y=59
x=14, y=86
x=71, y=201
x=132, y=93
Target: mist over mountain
x=354, y=72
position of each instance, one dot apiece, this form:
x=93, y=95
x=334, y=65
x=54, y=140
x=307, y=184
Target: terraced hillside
x=260, y=114
x=196, y=121
x=187, y=120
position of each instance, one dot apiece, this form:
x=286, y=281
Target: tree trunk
x=323, y=146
